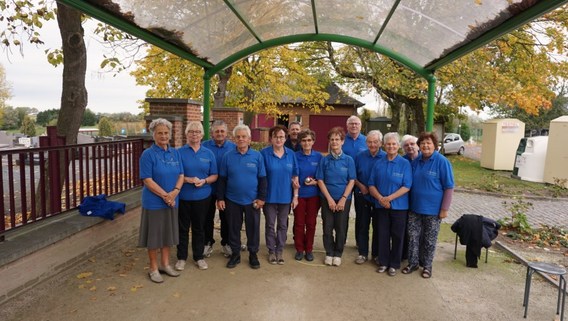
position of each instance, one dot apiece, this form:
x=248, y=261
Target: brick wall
x=178, y=111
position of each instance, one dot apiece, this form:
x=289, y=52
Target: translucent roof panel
x=422, y=34
x=424, y=29
x=268, y=19
x=366, y=20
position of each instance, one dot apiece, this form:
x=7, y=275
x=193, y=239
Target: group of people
x=403, y=198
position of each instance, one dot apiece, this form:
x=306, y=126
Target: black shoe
x=299, y=256
x=309, y=256
x=234, y=260
x=253, y=261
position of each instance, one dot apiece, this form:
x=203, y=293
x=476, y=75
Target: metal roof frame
x=427, y=72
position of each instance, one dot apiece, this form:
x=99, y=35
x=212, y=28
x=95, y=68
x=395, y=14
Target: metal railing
x=41, y=182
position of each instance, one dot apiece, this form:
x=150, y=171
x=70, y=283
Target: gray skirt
x=158, y=228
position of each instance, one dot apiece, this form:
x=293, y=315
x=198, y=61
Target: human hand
x=443, y=214
x=221, y=205
x=294, y=202
x=199, y=182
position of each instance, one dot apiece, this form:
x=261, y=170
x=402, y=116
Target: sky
x=36, y=83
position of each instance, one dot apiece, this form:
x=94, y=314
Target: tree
x=43, y=118
x=256, y=83
x=5, y=89
x=9, y=118
x=89, y=118
x=28, y=126
x=105, y=127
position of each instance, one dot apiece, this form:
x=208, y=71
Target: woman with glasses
x=200, y=171
x=282, y=192
x=306, y=213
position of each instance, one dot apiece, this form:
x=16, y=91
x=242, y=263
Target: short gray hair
x=376, y=132
x=408, y=137
x=159, y=121
x=218, y=123
x=353, y=117
x=241, y=127
x=392, y=136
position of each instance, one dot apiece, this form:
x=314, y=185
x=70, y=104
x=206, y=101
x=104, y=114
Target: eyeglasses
x=307, y=140
x=191, y=132
x=354, y=124
x=279, y=137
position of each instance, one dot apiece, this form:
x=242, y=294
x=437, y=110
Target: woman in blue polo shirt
x=162, y=175
x=281, y=172
x=430, y=199
x=336, y=178
x=306, y=213
x=389, y=184
x=200, y=171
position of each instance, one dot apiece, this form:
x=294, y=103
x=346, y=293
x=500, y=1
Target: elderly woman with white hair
x=162, y=175
x=200, y=171
x=411, y=150
x=389, y=184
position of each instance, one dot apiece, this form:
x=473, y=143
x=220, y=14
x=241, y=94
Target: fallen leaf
x=111, y=288
x=176, y=295
x=92, y=259
x=93, y=288
x=84, y=275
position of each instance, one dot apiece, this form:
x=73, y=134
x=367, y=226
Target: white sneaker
x=328, y=260
x=201, y=264
x=336, y=261
x=243, y=247
x=180, y=265
x=227, y=251
x=207, y=250
x=361, y=259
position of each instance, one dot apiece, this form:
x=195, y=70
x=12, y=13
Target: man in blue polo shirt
x=219, y=145
x=355, y=142
x=242, y=190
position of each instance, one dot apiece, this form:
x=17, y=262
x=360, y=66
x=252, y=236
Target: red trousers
x=305, y=216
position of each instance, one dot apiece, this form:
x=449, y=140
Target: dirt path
x=113, y=285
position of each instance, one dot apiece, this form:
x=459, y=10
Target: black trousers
x=234, y=213
x=210, y=221
x=192, y=214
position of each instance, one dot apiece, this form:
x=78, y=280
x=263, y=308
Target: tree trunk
x=73, y=94
x=221, y=93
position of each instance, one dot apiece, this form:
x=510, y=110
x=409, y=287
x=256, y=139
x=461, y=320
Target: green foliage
x=5, y=89
x=9, y=119
x=44, y=118
x=518, y=221
x=105, y=127
x=28, y=126
x=464, y=132
x=559, y=186
x=89, y=118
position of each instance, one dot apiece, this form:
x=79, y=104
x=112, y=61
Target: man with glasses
x=219, y=145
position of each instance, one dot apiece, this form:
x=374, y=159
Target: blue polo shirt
x=364, y=163
x=307, y=165
x=388, y=177
x=429, y=180
x=352, y=147
x=242, y=172
x=336, y=174
x=279, y=173
x=218, y=151
x=162, y=166
x=199, y=164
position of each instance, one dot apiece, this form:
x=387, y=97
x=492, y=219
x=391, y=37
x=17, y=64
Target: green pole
x=206, y=103
x=431, y=100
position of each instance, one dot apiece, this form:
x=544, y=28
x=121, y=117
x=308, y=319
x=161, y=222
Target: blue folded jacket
x=99, y=206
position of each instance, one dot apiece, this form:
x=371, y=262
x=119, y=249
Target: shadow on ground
x=113, y=285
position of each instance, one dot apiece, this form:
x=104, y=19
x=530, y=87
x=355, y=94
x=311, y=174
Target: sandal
x=426, y=273
x=409, y=269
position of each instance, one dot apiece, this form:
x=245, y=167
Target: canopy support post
x=431, y=100
x=206, y=105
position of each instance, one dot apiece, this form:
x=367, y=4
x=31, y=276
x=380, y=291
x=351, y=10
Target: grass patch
x=468, y=174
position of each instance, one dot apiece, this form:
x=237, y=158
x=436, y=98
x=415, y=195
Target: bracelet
x=343, y=196
x=176, y=188
x=296, y=195
x=205, y=179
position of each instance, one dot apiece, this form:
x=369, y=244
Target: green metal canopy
x=423, y=35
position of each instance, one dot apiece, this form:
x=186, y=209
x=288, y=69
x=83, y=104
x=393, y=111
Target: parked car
x=452, y=144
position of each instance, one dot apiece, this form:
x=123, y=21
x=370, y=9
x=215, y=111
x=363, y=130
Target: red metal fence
x=41, y=182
